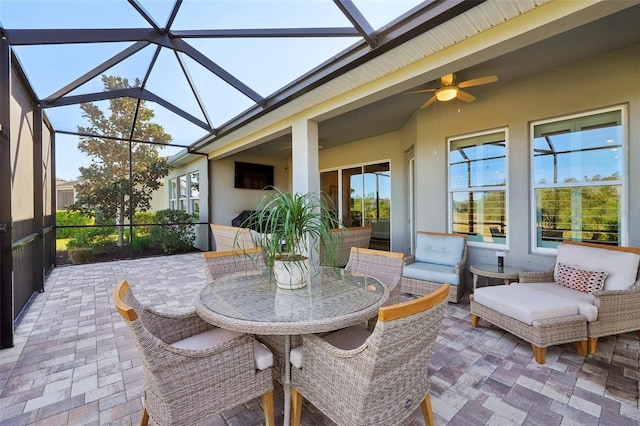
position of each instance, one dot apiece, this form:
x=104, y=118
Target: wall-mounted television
x=253, y=176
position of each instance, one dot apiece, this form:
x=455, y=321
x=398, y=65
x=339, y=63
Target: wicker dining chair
x=358, y=377
x=218, y=263
x=193, y=370
x=385, y=266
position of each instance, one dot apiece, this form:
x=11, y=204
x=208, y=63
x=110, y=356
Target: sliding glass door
x=362, y=195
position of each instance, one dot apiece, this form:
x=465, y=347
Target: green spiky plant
x=287, y=220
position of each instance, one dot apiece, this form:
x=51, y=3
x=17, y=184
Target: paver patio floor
x=74, y=362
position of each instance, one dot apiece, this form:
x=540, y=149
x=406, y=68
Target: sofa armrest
x=536, y=277
x=409, y=259
x=618, y=300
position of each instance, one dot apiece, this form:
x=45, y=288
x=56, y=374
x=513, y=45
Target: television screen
x=253, y=176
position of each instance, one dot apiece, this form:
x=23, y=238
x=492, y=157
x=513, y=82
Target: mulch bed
x=111, y=253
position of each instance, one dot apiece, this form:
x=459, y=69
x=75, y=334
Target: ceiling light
x=446, y=93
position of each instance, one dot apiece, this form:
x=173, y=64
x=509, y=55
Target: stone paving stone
x=75, y=362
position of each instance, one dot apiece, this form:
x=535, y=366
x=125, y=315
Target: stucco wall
x=227, y=201
x=600, y=82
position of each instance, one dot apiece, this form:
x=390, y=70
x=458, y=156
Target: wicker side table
x=507, y=273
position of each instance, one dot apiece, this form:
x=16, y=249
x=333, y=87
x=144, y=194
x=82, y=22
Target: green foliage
x=108, y=183
x=143, y=242
x=70, y=218
x=177, y=232
x=140, y=218
x=94, y=237
x=286, y=220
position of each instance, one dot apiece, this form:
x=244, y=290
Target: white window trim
x=491, y=245
x=625, y=173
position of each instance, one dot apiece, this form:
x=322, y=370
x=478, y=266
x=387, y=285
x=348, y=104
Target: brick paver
x=75, y=363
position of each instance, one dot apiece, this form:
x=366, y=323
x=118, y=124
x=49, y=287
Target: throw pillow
x=584, y=280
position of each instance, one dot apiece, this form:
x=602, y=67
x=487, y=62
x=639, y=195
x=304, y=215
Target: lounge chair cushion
x=440, y=250
x=622, y=267
x=431, y=272
x=584, y=301
x=210, y=338
x=346, y=339
x=523, y=304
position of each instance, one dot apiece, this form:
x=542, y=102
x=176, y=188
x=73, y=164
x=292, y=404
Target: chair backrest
x=440, y=248
x=385, y=266
x=218, y=263
x=127, y=312
x=343, y=240
x=399, y=349
x=230, y=237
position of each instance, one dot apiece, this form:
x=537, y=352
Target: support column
x=306, y=172
x=6, y=255
x=38, y=202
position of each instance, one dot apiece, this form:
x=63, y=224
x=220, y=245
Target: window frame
x=489, y=188
x=623, y=183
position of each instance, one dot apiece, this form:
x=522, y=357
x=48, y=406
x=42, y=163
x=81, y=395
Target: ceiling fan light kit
x=446, y=93
x=450, y=90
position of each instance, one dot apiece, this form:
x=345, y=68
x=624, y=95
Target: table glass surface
x=254, y=301
x=494, y=269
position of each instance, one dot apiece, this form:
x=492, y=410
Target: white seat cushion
x=622, y=267
x=346, y=339
x=524, y=304
x=262, y=356
x=584, y=301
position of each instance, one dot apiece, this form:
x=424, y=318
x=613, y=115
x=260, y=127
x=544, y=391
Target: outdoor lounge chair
x=218, y=263
x=230, y=237
x=192, y=369
x=385, y=266
x=359, y=377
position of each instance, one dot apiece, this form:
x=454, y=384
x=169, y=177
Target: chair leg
x=581, y=347
x=592, y=342
x=144, y=421
x=475, y=320
x=296, y=407
x=267, y=406
x=539, y=353
x=427, y=411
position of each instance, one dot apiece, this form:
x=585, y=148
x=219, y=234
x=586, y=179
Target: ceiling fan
x=449, y=89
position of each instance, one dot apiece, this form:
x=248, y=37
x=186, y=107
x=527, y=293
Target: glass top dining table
x=251, y=302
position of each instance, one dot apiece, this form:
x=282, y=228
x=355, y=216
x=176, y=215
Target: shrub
x=141, y=243
x=81, y=255
x=95, y=237
x=141, y=218
x=175, y=232
x=70, y=218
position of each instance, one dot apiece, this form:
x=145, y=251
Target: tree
x=107, y=185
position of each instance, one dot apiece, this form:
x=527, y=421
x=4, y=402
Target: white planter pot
x=291, y=274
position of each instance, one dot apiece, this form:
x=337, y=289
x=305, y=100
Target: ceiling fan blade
x=419, y=91
x=478, y=81
x=429, y=102
x=464, y=96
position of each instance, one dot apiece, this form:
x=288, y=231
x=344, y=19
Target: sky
x=265, y=65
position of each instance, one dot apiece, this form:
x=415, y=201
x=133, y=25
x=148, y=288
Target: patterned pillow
x=584, y=280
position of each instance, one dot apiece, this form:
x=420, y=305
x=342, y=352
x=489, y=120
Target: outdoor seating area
x=85, y=369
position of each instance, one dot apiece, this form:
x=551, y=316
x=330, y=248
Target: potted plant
x=287, y=223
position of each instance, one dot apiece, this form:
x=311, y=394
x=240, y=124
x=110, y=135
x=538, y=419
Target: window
x=478, y=187
x=578, y=178
x=194, y=193
x=173, y=193
x=184, y=193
